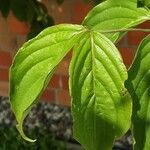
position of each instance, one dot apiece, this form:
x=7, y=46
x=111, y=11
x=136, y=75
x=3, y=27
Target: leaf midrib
x=93, y=80
x=99, y=12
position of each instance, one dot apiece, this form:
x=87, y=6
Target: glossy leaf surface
x=139, y=87
x=116, y=14
x=101, y=105
x=34, y=65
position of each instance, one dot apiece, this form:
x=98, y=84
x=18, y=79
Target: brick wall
x=128, y=45
x=13, y=35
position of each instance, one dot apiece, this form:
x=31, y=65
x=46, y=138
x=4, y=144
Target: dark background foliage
x=32, y=11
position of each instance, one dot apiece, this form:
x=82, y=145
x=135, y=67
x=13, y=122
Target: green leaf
x=101, y=105
x=139, y=86
x=115, y=14
x=34, y=65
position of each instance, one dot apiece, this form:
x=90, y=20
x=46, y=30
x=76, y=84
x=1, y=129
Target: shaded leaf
x=139, y=86
x=19, y=9
x=31, y=13
x=101, y=105
x=34, y=65
x=140, y=3
x=38, y=26
x=116, y=14
x=143, y=3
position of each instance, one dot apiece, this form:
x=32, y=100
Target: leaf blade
x=138, y=86
x=105, y=16
x=96, y=114
x=34, y=65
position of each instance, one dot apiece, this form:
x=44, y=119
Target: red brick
x=68, y=56
x=80, y=10
x=8, y=41
x=16, y=26
x=55, y=82
x=4, y=86
x=65, y=82
x=5, y=59
x=146, y=24
x=64, y=97
x=62, y=13
x=48, y=95
x=134, y=37
x=63, y=68
x=20, y=39
x=122, y=41
x=127, y=55
x=1, y=25
x=4, y=74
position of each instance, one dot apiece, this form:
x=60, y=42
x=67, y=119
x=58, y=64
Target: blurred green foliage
x=143, y=3
x=32, y=11
x=11, y=140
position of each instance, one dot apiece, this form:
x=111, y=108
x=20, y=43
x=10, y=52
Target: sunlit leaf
x=139, y=86
x=101, y=105
x=34, y=65
x=116, y=14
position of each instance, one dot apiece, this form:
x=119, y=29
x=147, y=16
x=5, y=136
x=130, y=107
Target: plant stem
x=124, y=30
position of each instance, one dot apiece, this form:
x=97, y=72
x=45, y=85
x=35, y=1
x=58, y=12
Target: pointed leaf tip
x=34, y=65
x=20, y=129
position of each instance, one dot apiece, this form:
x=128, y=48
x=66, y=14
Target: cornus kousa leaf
x=34, y=65
x=139, y=86
x=115, y=14
x=101, y=105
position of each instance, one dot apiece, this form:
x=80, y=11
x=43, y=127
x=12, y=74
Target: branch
x=124, y=30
